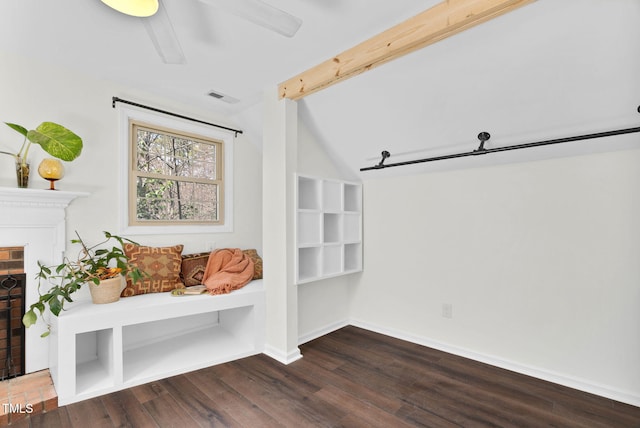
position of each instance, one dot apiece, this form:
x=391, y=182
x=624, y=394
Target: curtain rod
x=484, y=137
x=115, y=100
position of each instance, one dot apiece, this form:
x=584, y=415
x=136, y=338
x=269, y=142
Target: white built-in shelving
x=98, y=349
x=328, y=228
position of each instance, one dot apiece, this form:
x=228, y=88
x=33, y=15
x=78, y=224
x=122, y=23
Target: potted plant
x=97, y=266
x=54, y=139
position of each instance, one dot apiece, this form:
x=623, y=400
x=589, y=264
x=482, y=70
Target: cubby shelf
x=328, y=229
x=104, y=348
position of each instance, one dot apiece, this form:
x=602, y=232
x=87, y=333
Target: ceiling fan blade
x=163, y=37
x=260, y=13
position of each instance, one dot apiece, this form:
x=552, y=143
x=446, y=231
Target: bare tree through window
x=176, y=178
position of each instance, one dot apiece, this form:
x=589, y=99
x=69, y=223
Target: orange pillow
x=161, y=264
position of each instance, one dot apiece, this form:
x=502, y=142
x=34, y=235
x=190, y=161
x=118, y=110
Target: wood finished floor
x=350, y=378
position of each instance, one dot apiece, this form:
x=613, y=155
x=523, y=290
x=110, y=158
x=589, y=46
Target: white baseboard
x=571, y=382
x=322, y=331
x=278, y=355
x=295, y=355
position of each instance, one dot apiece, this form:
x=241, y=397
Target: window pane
x=171, y=155
x=168, y=200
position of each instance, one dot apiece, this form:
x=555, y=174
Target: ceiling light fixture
x=142, y=8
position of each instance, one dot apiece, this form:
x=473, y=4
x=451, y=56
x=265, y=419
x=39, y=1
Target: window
x=177, y=178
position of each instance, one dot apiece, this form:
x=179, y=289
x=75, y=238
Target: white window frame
x=125, y=116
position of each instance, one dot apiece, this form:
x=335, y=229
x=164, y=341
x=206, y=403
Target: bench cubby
x=100, y=349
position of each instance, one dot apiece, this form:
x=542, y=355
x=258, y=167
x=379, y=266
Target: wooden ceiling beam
x=439, y=22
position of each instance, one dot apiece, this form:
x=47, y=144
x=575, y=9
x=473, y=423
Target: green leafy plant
x=54, y=139
x=93, y=264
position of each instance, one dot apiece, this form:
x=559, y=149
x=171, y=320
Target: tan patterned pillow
x=161, y=264
x=257, y=263
x=193, y=266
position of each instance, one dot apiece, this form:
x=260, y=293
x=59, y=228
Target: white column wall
x=278, y=210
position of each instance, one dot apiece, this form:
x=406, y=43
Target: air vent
x=222, y=97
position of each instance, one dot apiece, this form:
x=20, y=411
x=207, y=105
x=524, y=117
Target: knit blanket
x=228, y=269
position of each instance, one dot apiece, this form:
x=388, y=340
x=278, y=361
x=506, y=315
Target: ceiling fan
x=158, y=25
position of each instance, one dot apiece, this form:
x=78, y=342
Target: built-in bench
x=97, y=349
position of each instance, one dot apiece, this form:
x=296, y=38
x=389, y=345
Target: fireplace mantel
x=15, y=197
x=35, y=220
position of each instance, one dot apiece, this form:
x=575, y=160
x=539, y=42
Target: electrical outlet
x=447, y=310
x=211, y=246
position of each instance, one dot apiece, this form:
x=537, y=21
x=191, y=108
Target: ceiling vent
x=222, y=97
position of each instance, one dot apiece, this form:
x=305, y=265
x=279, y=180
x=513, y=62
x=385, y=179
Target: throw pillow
x=257, y=263
x=161, y=264
x=193, y=266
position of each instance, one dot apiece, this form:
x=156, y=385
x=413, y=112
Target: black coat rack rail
x=115, y=100
x=484, y=137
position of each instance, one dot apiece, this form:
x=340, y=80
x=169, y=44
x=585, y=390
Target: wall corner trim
x=284, y=358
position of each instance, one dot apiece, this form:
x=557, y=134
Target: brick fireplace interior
x=12, y=306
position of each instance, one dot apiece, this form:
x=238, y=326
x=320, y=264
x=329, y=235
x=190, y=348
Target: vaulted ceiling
x=223, y=52
x=550, y=68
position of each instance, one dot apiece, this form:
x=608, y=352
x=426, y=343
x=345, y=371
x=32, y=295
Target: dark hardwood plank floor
x=349, y=378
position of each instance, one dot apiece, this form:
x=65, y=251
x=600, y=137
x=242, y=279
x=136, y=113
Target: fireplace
x=32, y=228
x=11, y=327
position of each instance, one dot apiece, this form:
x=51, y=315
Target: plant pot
x=108, y=291
x=22, y=174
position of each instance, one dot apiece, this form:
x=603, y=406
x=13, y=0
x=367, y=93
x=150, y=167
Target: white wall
x=32, y=93
x=323, y=305
x=539, y=261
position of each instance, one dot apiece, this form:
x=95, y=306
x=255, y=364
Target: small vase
x=22, y=174
x=51, y=170
x=108, y=291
